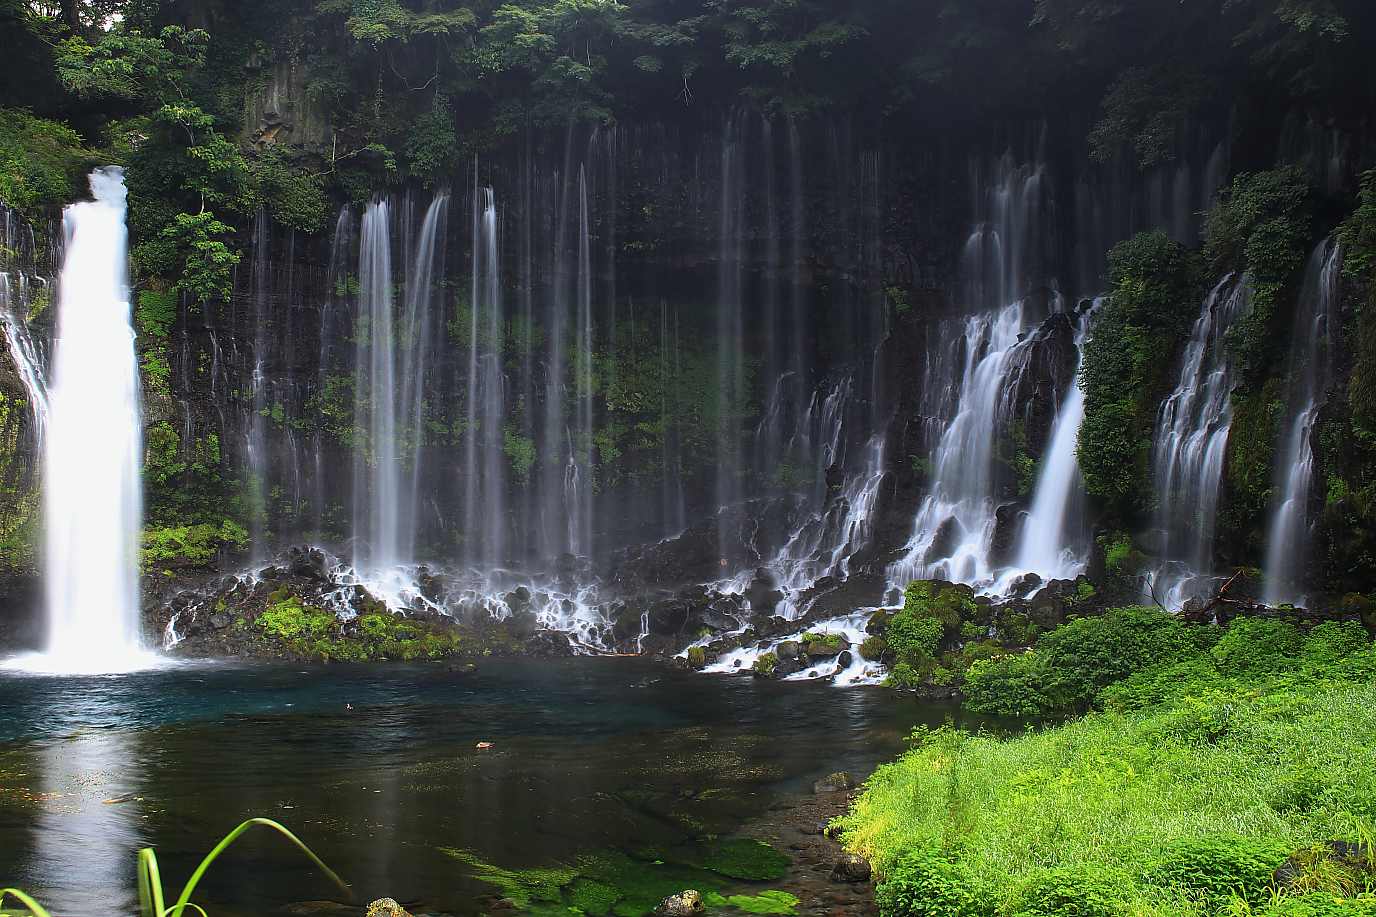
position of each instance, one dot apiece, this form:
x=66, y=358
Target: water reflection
x=587, y=755
x=87, y=815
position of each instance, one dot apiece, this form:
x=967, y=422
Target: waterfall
x=1052, y=537
x=1189, y=446
x=730, y=327
x=375, y=510
x=92, y=451
x=485, y=487
x=1312, y=359
x=578, y=477
x=392, y=358
x=954, y=528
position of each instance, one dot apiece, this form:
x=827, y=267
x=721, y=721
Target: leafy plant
x=153, y=897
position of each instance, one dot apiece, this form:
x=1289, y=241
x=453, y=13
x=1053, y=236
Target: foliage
x=40, y=162
x=189, y=545
x=207, y=262
x=924, y=883
x=155, y=313
x=1070, y=893
x=1143, y=109
x=1255, y=645
x=1153, y=294
x=1260, y=225
x=127, y=64
x=1357, y=234
x=1183, y=804
x=1010, y=685
x=1219, y=868
x=153, y=897
x=1071, y=664
x=931, y=612
x=295, y=199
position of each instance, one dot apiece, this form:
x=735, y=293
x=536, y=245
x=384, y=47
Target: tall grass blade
x=184, y=900
x=34, y=907
x=150, y=885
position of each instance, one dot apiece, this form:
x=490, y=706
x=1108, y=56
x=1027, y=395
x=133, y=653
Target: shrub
x=1219, y=868
x=1009, y=686
x=1332, y=641
x=1070, y=893
x=1087, y=654
x=40, y=162
x=1256, y=645
x=1159, y=684
x=924, y=884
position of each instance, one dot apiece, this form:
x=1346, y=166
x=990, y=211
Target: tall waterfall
x=1311, y=366
x=92, y=450
x=954, y=527
x=1052, y=538
x=1189, y=446
x=485, y=481
x=389, y=391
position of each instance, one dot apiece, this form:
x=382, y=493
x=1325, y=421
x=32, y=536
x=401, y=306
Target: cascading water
x=1052, y=540
x=92, y=451
x=1188, y=450
x=485, y=487
x=1312, y=359
x=389, y=394
x=954, y=528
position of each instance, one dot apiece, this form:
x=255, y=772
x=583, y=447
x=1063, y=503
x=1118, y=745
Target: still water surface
x=588, y=754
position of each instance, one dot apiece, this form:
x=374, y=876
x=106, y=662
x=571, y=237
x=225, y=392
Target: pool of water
x=378, y=769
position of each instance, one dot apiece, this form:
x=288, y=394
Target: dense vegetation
x=1227, y=771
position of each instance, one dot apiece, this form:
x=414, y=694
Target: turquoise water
x=587, y=755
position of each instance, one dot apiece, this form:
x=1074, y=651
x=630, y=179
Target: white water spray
x=92, y=493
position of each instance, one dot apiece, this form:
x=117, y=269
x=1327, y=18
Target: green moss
x=1154, y=292
x=765, y=664
x=1121, y=557
x=771, y=901
x=189, y=545
x=592, y=898
x=747, y=858
x=697, y=656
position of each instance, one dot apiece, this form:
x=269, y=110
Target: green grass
x=1234, y=766
x=152, y=896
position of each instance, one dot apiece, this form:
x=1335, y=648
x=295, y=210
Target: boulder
x=687, y=903
x=386, y=907
x=851, y=868
x=789, y=649
x=834, y=783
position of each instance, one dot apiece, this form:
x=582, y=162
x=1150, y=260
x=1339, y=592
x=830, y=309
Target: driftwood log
x=1223, y=608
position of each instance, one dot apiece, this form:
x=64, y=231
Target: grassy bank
x=1229, y=773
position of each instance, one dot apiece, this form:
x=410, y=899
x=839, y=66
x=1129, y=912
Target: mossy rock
x=771, y=901
x=765, y=664
x=697, y=657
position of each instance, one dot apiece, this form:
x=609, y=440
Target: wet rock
x=220, y=620
x=851, y=868
x=844, y=660
x=1007, y=523
x=549, y=644
x=686, y=903
x=834, y=783
x=789, y=649
x=878, y=622
x=786, y=667
x=461, y=668
x=945, y=541
x=1026, y=584
x=386, y=907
